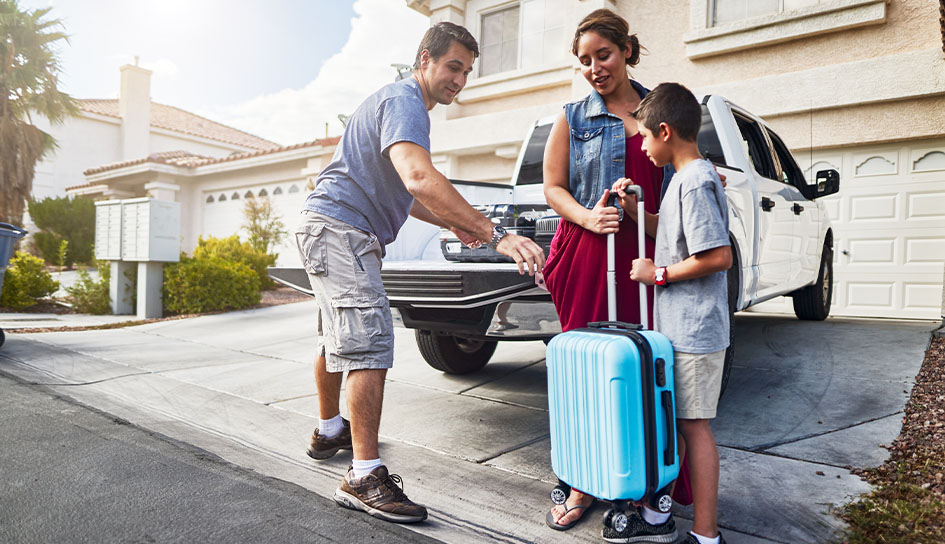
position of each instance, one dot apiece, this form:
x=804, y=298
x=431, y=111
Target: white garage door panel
x=889, y=231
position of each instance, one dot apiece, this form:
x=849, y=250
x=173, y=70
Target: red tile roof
x=178, y=120
x=187, y=159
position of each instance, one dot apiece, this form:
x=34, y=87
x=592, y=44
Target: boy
x=691, y=309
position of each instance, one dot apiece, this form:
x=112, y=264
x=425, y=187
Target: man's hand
x=602, y=219
x=527, y=254
x=468, y=239
x=643, y=271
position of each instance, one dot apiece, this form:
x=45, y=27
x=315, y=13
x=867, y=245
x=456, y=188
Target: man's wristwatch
x=498, y=233
x=661, y=276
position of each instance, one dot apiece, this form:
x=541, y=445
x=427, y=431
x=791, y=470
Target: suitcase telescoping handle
x=611, y=267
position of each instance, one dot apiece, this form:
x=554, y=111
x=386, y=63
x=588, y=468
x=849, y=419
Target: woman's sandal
x=550, y=520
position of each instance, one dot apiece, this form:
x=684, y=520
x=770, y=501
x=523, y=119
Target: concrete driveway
x=806, y=400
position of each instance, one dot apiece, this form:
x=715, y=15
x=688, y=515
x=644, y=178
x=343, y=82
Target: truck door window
x=709, y=145
x=791, y=174
x=754, y=142
x=532, y=160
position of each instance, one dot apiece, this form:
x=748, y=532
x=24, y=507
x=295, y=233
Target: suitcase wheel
x=664, y=503
x=559, y=494
x=615, y=519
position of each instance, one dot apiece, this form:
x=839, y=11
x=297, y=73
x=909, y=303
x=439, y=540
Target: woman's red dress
x=576, y=270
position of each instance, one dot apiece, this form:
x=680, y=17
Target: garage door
x=889, y=230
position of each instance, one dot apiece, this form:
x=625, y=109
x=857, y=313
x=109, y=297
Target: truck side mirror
x=828, y=182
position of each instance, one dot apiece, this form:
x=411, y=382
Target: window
x=708, y=141
x=756, y=147
x=293, y=188
x=222, y=198
x=528, y=34
x=727, y=11
x=249, y=194
x=263, y=192
x=791, y=173
x=531, y=171
x=277, y=191
x=210, y=199
x=236, y=196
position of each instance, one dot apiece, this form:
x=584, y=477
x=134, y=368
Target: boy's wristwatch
x=498, y=233
x=661, y=276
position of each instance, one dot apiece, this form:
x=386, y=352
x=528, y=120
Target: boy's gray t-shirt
x=360, y=185
x=693, y=314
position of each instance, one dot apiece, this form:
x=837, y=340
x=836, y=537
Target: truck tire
x=732, y=277
x=812, y=303
x=452, y=354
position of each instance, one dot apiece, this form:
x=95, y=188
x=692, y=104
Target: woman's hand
x=627, y=201
x=602, y=219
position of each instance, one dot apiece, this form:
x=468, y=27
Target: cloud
x=383, y=32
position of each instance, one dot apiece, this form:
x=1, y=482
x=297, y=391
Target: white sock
x=363, y=468
x=705, y=539
x=330, y=428
x=653, y=517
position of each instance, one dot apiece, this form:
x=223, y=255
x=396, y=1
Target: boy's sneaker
x=638, y=530
x=320, y=447
x=379, y=495
x=693, y=540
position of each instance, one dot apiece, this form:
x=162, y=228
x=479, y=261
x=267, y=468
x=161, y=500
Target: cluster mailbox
x=137, y=229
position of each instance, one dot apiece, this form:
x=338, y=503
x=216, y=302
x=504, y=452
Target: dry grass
x=907, y=504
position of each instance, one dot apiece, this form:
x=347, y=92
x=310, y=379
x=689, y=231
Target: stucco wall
x=83, y=143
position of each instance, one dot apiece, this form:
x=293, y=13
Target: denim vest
x=598, y=148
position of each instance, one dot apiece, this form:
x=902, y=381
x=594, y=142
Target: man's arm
x=438, y=197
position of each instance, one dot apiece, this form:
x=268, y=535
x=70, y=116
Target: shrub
x=25, y=282
x=264, y=227
x=204, y=284
x=231, y=249
x=64, y=219
x=89, y=296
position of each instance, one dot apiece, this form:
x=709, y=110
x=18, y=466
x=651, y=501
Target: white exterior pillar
x=119, y=287
x=150, y=280
x=134, y=107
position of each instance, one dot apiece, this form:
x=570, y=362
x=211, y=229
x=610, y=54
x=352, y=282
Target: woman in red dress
x=592, y=151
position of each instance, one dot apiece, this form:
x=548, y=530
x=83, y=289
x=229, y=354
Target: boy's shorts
x=343, y=263
x=698, y=380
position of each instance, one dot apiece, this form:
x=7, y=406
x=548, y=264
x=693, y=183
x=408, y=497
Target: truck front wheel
x=453, y=354
x=812, y=303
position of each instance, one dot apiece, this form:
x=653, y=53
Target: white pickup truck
x=780, y=234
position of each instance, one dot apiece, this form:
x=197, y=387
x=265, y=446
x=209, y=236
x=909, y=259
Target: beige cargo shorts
x=344, y=267
x=698, y=381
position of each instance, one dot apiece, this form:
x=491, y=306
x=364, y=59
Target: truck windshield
x=709, y=145
x=531, y=172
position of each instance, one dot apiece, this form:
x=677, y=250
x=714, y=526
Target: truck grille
x=423, y=284
x=546, y=226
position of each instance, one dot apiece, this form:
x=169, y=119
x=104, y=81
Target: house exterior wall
x=84, y=142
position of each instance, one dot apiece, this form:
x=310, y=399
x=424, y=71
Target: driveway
x=805, y=401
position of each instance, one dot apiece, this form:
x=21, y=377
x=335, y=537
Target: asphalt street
x=72, y=473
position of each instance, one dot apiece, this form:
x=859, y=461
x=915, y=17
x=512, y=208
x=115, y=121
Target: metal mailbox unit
x=145, y=231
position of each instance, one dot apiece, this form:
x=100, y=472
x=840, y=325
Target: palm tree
x=29, y=70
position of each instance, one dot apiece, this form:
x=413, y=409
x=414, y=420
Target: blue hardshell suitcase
x=611, y=400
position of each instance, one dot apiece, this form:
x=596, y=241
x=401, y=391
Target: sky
x=280, y=69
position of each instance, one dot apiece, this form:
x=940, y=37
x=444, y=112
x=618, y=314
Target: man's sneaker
x=693, y=540
x=638, y=530
x=320, y=447
x=379, y=495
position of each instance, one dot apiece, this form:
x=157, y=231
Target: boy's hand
x=626, y=201
x=602, y=219
x=643, y=271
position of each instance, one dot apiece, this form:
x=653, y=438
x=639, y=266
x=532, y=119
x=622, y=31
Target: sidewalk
x=474, y=448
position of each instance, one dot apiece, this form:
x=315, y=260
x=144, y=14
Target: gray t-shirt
x=360, y=185
x=693, y=314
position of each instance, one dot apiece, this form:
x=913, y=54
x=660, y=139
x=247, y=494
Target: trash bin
x=8, y=237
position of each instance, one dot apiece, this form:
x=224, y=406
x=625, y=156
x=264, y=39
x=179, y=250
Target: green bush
x=72, y=220
x=89, y=296
x=231, y=249
x=205, y=284
x=25, y=282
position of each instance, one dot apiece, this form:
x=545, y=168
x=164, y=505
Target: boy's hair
x=673, y=104
x=438, y=38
